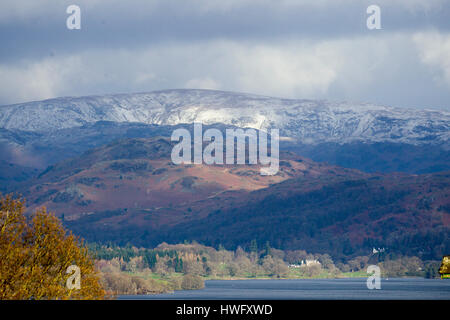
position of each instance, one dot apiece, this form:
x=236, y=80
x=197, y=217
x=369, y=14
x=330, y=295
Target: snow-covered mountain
x=308, y=121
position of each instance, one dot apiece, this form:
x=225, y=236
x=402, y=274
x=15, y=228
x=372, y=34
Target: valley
x=343, y=186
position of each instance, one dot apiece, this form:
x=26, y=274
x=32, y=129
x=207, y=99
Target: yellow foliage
x=35, y=255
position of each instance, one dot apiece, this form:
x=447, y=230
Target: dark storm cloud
x=291, y=48
x=128, y=24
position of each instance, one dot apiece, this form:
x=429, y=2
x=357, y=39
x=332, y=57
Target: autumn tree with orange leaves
x=35, y=255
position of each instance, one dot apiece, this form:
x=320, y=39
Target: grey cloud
x=288, y=48
x=130, y=24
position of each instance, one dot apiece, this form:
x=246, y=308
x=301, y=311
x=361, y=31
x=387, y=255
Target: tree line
x=36, y=253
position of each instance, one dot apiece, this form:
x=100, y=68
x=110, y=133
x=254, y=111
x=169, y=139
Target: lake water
x=348, y=289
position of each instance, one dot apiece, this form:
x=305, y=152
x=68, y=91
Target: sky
x=317, y=49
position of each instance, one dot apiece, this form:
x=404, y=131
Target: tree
x=35, y=256
x=296, y=256
x=326, y=261
x=274, y=267
x=432, y=269
x=239, y=253
x=312, y=271
x=192, y=282
x=192, y=267
x=254, y=255
x=178, y=264
x=267, y=249
x=358, y=263
x=233, y=269
x=254, y=246
x=161, y=266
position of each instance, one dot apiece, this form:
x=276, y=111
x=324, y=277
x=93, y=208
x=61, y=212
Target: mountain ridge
x=308, y=121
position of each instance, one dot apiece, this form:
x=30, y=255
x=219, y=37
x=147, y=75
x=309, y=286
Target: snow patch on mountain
x=308, y=121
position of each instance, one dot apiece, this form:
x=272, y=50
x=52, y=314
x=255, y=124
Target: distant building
x=307, y=263
x=444, y=270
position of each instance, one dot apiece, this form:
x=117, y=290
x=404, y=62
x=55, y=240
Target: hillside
x=328, y=214
x=137, y=174
x=310, y=121
x=129, y=191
